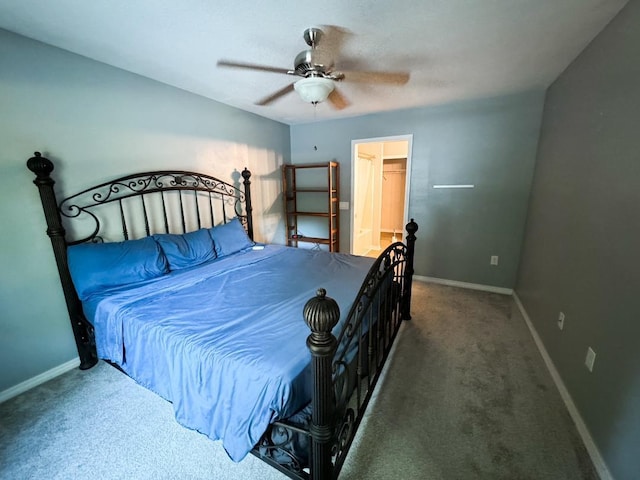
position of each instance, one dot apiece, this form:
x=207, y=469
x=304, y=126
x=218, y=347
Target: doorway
x=380, y=177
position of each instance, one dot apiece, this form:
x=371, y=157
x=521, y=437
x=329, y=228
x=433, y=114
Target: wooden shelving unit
x=316, y=197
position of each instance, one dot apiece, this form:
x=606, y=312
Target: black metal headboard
x=133, y=206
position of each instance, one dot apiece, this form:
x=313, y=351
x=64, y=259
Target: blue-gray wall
x=489, y=143
x=97, y=122
x=582, y=249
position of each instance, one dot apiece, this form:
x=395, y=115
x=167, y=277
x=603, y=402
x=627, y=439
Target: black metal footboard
x=314, y=444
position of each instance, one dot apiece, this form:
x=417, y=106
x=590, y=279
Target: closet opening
x=380, y=178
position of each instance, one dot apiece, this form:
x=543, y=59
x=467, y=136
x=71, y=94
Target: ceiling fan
x=316, y=67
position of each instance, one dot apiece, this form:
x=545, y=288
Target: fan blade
x=338, y=100
x=398, y=78
x=276, y=95
x=251, y=66
x=334, y=38
x=331, y=44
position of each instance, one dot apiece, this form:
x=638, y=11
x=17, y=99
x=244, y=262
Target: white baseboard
x=38, y=379
x=590, y=445
x=472, y=286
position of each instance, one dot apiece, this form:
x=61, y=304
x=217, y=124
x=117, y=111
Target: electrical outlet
x=494, y=260
x=590, y=360
x=561, y=321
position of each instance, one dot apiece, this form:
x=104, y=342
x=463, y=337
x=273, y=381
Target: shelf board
x=311, y=165
x=313, y=214
x=323, y=241
x=313, y=190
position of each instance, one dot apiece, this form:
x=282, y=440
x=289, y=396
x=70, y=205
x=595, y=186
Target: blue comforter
x=225, y=341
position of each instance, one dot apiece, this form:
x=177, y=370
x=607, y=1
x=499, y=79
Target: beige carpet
x=466, y=396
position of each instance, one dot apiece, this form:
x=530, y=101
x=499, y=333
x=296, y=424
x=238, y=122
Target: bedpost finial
x=40, y=165
x=321, y=313
x=412, y=227
x=246, y=174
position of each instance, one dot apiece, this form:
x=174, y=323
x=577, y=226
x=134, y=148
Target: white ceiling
x=453, y=49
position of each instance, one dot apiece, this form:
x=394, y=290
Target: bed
x=273, y=350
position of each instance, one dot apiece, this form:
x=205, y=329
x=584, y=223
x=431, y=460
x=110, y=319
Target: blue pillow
x=186, y=250
x=98, y=266
x=230, y=238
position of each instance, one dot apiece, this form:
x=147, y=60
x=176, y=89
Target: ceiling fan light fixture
x=314, y=89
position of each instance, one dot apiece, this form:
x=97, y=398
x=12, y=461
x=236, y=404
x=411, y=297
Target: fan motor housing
x=306, y=64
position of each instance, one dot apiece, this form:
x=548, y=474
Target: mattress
x=225, y=341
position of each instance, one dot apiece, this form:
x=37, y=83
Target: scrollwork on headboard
x=166, y=201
